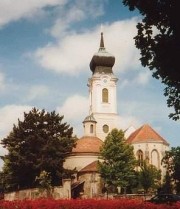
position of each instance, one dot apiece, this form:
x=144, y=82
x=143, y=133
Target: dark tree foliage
x=39, y=143
x=117, y=160
x=149, y=176
x=171, y=161
x=158, y=39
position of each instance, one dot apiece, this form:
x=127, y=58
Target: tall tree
x=117, y=161
x=158, y=39
x=39, y=143
x=149, y=176
x=171, y=161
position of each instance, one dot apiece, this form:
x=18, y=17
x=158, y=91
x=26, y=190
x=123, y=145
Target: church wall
x=154, y=151
x=92, y=185
x=79, y=161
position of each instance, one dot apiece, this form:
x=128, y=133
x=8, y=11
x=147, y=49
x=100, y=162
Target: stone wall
x=59, y=192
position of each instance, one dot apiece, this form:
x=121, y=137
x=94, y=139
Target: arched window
x=155, y=158
x=140, y=157
x=105, y=95
x=91, y=128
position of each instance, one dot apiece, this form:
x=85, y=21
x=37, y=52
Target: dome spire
x=102, y=41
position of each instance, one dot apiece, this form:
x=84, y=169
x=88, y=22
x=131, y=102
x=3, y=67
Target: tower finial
x=102, y=41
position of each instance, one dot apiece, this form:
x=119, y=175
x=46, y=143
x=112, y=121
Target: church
x=103, y=117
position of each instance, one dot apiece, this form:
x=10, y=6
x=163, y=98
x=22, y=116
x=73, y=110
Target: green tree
x=158, y=39
x=117, y=161
x=167, y=186
x=39, y=143
x=44, y=181
x=149, y=176
x=171, y=161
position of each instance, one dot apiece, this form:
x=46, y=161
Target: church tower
x=102, y=92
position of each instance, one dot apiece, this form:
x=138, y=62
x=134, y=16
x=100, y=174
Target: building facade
x=103, y=117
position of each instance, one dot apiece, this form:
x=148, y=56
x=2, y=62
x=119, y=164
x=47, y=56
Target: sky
x=45, y=50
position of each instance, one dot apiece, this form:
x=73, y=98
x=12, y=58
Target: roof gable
x=145, y=134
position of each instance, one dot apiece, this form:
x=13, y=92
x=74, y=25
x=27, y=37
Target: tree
x=44, y=181
x=149, y=176
x=39, y=143
x=158, y=39
x=171, y=161
x=117, y=161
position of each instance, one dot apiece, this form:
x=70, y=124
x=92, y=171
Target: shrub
x=83, y=204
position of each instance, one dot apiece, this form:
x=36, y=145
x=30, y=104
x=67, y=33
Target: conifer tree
x=39, y=143
x=149, y=177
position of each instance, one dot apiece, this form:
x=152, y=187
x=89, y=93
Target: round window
x=106, y=128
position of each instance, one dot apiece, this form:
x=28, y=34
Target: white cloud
x=9, y=116
x=75, y=109
x=37, y=92
x=143, y=77
x=71, y=54
x=77, y=12
x=62, y=24
x=12, y=10
x=119, y=41
x=127, y=121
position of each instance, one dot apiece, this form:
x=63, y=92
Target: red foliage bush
x=83, y=204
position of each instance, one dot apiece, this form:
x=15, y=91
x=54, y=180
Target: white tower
x=102, y=91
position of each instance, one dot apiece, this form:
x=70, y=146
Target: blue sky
x=45, y=50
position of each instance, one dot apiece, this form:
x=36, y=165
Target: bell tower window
x=105, y=95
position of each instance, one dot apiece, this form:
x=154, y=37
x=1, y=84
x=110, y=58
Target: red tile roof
x=92, y=167
x=88, y=144
x=145, y=134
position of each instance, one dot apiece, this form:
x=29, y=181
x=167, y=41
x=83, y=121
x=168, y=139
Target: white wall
x=155, y=151
x=79, y=161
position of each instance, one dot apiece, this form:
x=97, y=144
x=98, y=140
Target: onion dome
x=102, y=59
x=88, y=144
